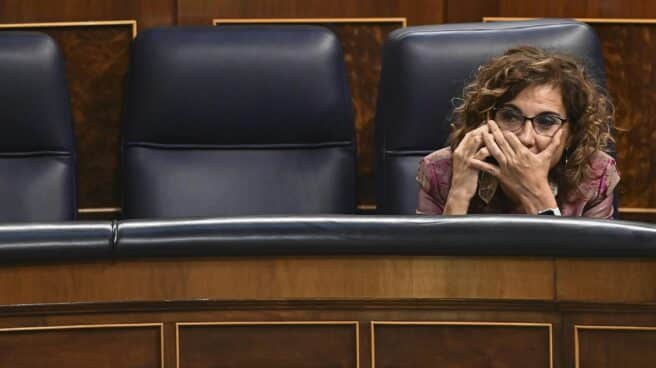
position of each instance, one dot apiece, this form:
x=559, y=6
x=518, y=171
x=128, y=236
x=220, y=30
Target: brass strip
x=99, y=210
x=270, y=323
x=96, y=326
x=585, y=20
x=402, y=20
x=459, y=323
x=637, y=210
x=132, y=23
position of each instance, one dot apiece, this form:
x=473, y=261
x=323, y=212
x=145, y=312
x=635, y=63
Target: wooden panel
x=284, y=277
x=149, y=13
x=293, y=344
x=362, y=42
x=461, y=345
x=624, y=281
x=578, y=9
x=629, y=51
x=615, y=346
x=459, y=11
x=202, y=12
x=99, y=346
x=97, y=57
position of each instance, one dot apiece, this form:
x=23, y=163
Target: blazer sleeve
x=430, y=201
x=601, y=204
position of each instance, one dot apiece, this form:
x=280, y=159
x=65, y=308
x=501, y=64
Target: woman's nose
x=527, y=135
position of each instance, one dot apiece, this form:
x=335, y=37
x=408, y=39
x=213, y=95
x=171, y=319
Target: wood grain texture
x=275, y=278
x=628, y=53
x=270, y=345
x=461, y=346
x=148, y=13
x=621, y=281
x=202, y=12
x=132, y=347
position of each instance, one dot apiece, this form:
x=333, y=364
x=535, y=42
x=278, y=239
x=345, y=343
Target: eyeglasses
x=511, y=119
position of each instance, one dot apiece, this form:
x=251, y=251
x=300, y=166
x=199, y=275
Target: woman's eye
x=510, y=116
x=547, y=120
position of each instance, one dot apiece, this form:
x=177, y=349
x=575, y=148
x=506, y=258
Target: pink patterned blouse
x=434, y=178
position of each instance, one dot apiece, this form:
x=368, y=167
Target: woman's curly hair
x=589, y=110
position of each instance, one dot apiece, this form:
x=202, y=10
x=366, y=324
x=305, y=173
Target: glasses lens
x=547, y=124
x=508, y=119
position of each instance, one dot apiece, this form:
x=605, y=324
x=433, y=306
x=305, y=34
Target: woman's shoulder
x=434, y=173
x=441, y=155
x=603, y=176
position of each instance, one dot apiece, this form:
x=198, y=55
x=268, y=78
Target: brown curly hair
x=589, y=110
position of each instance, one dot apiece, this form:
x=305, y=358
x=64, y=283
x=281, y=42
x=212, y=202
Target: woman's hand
x=464, y=178
x=522, y=172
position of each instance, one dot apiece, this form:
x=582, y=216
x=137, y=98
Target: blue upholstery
x=425, y=67
x=237, y=120
x=37, y=154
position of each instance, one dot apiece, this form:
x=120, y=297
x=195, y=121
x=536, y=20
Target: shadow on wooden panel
x=267, y=344
x=461, y=344
x=96, y=56
x=614, y=346
x=362, y=41
x=111, y=345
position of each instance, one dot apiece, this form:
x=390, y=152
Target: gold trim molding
x=577, y=352
x=355, y=324
x=217, y=21
x=131, y=23
x=96, y=326
x=549, y=326
x=584, y=20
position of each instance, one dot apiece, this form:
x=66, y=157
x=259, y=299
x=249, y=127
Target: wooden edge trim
x=131, y=22
x=577, y=361
x=373, y=324
x=576, y=347
x=216, y=21
x=96, y=326
x=356, y=324
x=585, y=20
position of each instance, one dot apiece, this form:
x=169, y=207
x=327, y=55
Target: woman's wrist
x=457, y=203
x=543, y=198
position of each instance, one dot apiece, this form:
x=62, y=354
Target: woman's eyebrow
x=510, y=105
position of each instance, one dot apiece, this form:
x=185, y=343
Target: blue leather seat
x=425, y=67
x=37, y=154
x=237, y=120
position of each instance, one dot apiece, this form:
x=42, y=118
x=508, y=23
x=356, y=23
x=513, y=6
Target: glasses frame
x=529, y=118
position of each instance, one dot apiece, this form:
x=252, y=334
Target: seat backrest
x=426, y=67
x=237, y=120
x=37, y=154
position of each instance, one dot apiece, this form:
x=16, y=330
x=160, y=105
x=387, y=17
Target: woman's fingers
x=472, y=141
x=484, y=166
x=553, y=145
x=500, y=139
x=494, y=149
x=482, y=153
x=514, y=142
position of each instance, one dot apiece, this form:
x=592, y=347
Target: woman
x=529, y=137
